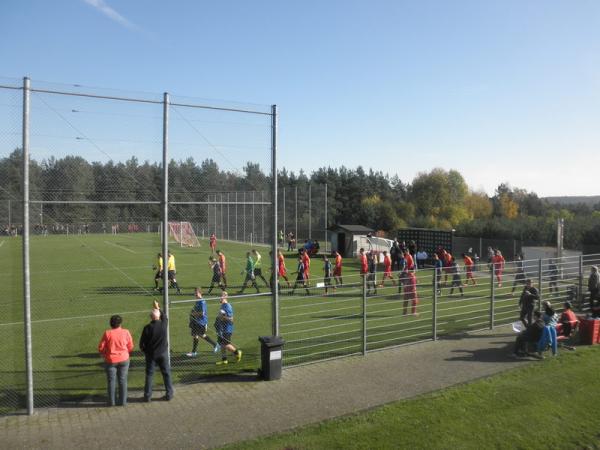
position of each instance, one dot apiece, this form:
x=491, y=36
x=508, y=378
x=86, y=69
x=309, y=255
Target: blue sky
x=502, y=91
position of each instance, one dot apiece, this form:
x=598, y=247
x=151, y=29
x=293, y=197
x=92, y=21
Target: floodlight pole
x=274, y=258
x=26, y=266
x=325, y=243
x=309, y=211
x=165, y=214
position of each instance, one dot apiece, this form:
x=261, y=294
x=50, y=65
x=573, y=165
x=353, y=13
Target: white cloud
x=113, y=15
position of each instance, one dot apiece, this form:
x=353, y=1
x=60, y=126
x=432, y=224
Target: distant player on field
x=306, y=262
x=410, y=292
x=519, y=275
x=456, y=280
x=249, y=272
x=372, y=275
x=469, y=269
x=364, y=263
x=300, y=278
x=498, y=266
x=215, y=267
x=171, y=272
x=327, y=269
x=337, y=270
x=198, y=325
x=409, y=261
x=212, y=243
x=281, y=269
x=387, y=269
x=223, y=264
x=159, y=270
x=258, y=266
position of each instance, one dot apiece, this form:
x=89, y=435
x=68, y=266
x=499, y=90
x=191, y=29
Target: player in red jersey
x=409, y=261
x=281, y=269
x=498, y=266
x=306, y=262
x=364, y=264
x=410, y=292
x=337, y=270
x=387, y=269
x=469, y=269
x=447, y=260
x=212, y=243
x=223, y=264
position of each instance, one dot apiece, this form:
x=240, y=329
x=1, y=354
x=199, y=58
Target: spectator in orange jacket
x=115, y=346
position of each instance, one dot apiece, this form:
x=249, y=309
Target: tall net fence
x=96, y=229
x=302, y=213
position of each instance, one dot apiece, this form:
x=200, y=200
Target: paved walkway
x=215, y=413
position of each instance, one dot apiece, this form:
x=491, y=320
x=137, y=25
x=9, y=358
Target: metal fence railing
x=357, y=317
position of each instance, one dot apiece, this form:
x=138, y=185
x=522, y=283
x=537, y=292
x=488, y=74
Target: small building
x=342, y=238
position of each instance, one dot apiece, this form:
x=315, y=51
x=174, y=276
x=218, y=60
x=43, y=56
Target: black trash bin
x=271, y=355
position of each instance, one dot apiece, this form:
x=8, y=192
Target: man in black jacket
x=154, y=344
x=529, y=296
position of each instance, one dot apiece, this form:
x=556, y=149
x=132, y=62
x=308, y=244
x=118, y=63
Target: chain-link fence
x=354, y=314
x=302, y=213
x=99, y=204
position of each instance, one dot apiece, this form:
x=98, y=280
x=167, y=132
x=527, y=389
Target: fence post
x=296, y=212
x=580, y=290
x=364, y=314
x=228, y=204
x=274, y=256
x=326, y=240
x=26, y=265
x=492, y=296
x=540, y=279
x=165, y=212
x=309, y=211
x=435, y=300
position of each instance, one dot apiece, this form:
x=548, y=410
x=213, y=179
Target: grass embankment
x=550, y=404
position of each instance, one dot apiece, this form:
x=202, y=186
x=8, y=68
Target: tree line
x=436, y=199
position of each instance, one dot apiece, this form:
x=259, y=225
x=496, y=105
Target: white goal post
x=183, y=234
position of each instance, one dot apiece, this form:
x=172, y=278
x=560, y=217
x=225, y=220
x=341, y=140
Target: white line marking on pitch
x=120, y=246
x=2, y=243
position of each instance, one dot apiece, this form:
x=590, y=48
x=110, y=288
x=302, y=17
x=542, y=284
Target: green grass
x=552, y=404
x=79, y=281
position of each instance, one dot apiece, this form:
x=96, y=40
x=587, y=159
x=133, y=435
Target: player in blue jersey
x=224, y=327
x=198, y=325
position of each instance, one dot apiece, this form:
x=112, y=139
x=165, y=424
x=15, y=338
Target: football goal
x=183, y=234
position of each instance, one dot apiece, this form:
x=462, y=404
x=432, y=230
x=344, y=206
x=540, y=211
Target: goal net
x=183, y=233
